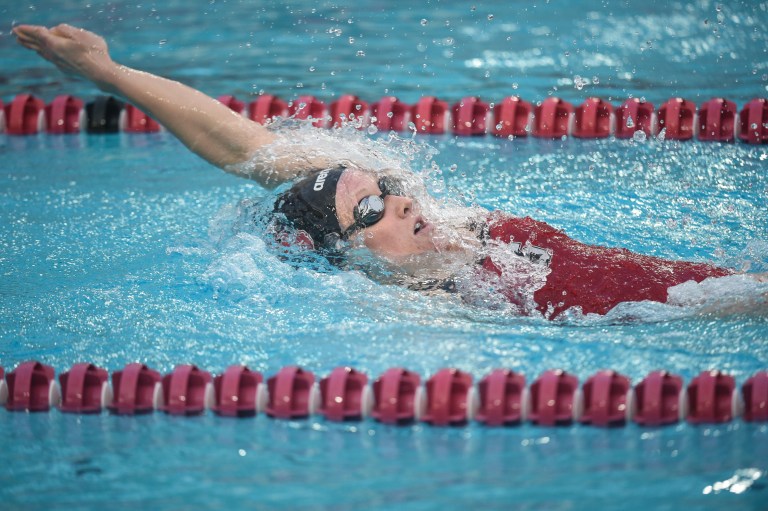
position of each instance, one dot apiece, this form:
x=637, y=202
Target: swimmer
x=337, y=203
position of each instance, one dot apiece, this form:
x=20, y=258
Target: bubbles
x=424, y=22
x=639, y=136
x=360, y=53
x=372, y=129
x=630, y=123
x=579, y=83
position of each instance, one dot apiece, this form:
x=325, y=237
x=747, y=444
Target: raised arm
x=205, y=126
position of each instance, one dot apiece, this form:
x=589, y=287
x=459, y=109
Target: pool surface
x=120, y=248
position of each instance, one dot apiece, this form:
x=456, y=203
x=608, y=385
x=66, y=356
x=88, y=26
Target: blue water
x=119, y=248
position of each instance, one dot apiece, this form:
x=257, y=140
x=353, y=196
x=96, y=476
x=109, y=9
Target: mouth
x=421, y=225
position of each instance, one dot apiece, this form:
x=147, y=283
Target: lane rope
x=717, y=119
x=450, y=397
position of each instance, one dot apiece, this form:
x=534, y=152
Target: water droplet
x=639, y=136
x=662, y=135
x=595, y=80
x=515, y=85
x=390, y=114
x=351, y=40
x=311, y=69
x=490, y=17
x=360, y=53
x=630, y=122
x=423, y=22
x=372, y=129
x=163, y=41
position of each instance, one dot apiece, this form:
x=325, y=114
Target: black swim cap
x=310, y=206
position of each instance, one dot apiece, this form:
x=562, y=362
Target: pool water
x=120, y=248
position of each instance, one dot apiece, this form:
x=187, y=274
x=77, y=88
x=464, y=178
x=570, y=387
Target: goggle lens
x=370, y=209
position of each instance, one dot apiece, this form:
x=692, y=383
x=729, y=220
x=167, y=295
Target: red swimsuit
x=588, y=276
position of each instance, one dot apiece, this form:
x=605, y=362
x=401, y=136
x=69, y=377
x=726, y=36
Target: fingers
x=31, y=36
x=29, y=31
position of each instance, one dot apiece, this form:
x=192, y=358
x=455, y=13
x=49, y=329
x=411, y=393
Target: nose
x=402, y=206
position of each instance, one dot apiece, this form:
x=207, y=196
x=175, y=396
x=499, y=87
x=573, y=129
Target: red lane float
x=755, y=395
x=31, y=388
x=551, y=119
x=632, y=116
x=84, y=389
x=24, y=115
x=232, y=103
x=605, y=399
x=469, y=116
x=657, y=399
x=308, y=107
x=711, y=398
x=236, y=392
x=447, y=398
x=290, y=393
x=266, y=108
x=753, y=122
x=502, y=398
x=593, y=119
x=395, y=396
x=136, y=390
x=136, y=121
x=677, y=119
x=512, y=117
x=717, y=120
x=184, y=390
x=552, y=398
x=390, y=113
x=347, y=108
x=64, y=115
x=429, y=115
x=343, y=395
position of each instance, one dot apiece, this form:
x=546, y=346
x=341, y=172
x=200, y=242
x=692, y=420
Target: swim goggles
x=370, y=209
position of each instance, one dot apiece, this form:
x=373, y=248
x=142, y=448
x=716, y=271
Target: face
x=402, y=231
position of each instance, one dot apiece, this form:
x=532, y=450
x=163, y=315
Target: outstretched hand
x=73, y=50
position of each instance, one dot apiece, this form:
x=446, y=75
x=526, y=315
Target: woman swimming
x=338, y=203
